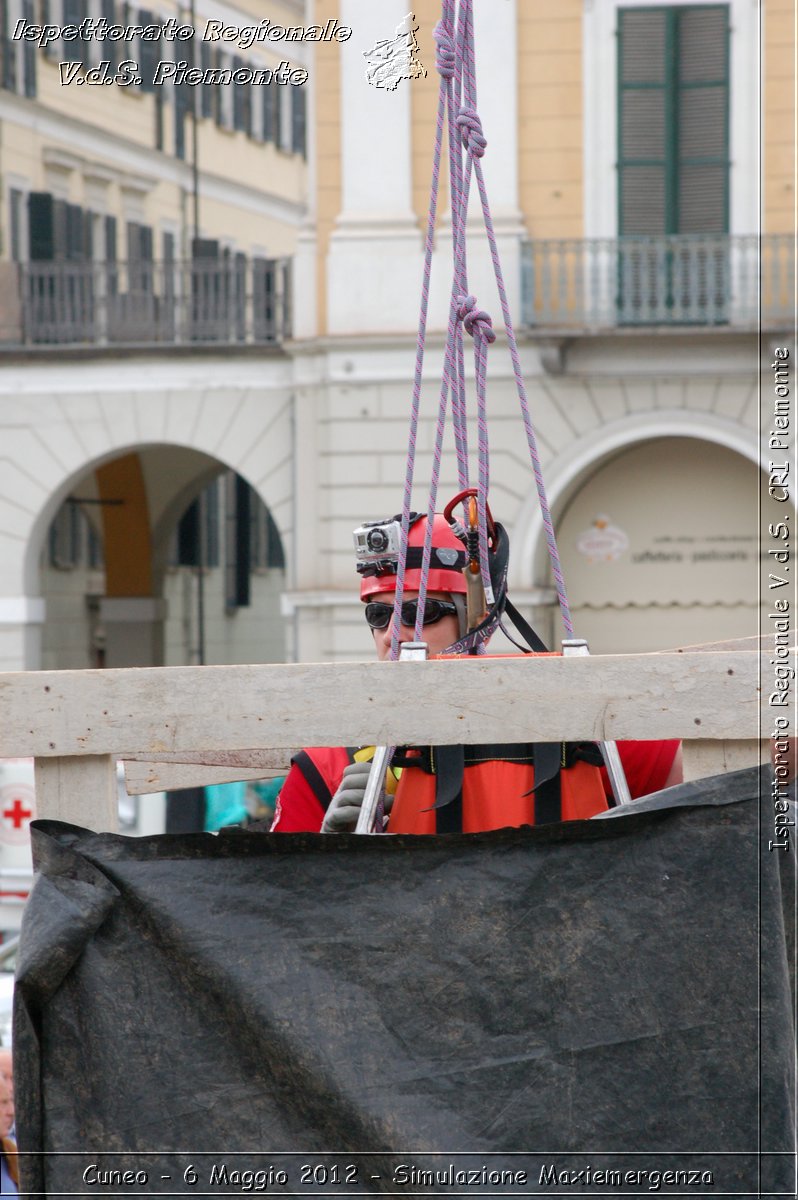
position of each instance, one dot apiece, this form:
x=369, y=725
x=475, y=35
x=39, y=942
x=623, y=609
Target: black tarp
x=603, y=996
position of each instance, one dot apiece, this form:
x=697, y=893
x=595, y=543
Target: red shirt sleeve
x=298, y=810
x=646, y=766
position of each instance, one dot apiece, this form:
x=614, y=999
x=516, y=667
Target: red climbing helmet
x=377, y=546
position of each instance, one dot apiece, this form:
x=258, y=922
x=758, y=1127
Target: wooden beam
x=144, y=777
x=81, y=790
x=152, y=711
x=701, y=759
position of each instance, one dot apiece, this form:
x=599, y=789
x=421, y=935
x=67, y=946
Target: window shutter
x=15, y=200
x=673, y=120
x=207, y=89
x=238, y=544
x=78, y=50
x=278, y=114
x=643, y=112
x=52, y=14
x=238, y=97
x=269, y=110
x=75, y=250
x=110, y=239
x=109, y=49
x=41, y=233
x=8, y=58
x=29, y=51
x=703, y=115
x=298, y=120
x=149, y=54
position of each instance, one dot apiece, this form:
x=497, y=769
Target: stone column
x=375, y=250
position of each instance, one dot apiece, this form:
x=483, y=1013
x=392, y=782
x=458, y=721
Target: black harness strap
x=524, y=628
x=548, y=800
x=448, y=763
x=314, y=778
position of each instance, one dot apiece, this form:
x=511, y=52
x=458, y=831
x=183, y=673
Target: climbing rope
x=457, y=112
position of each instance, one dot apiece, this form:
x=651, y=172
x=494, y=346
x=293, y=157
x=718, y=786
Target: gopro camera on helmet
x=377, y=542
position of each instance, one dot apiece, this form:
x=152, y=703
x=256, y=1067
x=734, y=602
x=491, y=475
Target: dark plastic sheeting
x=603, y=995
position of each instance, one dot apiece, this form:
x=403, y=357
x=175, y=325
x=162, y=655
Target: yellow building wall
x=111, y=127
x=778, y=87
x=424, y=111
x=327, y=117
x=550, y=132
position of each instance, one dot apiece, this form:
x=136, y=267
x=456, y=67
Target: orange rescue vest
x=492, y=787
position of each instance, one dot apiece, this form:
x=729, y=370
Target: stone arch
x=624, y=605
x=252, y=426
x=566, y=472
x=139, y=612
x=245, y=426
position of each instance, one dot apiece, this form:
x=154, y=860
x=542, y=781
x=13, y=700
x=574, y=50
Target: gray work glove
x=344, y=808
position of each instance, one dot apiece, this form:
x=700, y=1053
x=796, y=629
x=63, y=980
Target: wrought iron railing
x=690, y=280
x=207, y=301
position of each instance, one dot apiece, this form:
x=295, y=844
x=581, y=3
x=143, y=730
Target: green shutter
x=673, y=117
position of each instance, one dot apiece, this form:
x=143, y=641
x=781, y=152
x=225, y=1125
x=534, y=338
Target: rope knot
x=475, y=320
x=470, y=128
x=444, y=45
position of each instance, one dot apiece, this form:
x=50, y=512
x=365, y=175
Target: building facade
x=210, y=319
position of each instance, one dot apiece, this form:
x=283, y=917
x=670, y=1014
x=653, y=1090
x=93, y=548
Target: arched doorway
x=659, y=547
x=161, y=556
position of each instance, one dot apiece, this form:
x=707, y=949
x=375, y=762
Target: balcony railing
x=205, y=302
x=686, y=280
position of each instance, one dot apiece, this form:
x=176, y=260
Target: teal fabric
x=224, y=805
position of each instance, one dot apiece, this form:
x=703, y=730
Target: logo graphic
x=17, y=810
x=602, y=542
x=391, y=60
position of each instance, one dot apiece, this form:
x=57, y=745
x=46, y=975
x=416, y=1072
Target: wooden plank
x=703, y=758
x=170, y=709
x=144, y=777
x=270, y=761
x=761, y=642
x=201, y=768
x=80, y=790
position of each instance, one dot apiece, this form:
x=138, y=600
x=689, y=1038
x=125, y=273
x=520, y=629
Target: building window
x=139, y=257
x=237, y=542
x=109, y=49
x=267, y=113
x=242, y=101
x=16, y=217
x=673, y=119
x=53, y=14
x=72, y=540
x=149, y=53
x=64, y=538
x=29, y=52
x=198, y=531
x=266, y=547
x=298, y=120
x=57, y=230
x=184, y=101
x=109, y=239
x=8, y=50
x=207, y=90
x=224, y=95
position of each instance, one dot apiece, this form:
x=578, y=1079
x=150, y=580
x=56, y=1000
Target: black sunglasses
x=378, y=615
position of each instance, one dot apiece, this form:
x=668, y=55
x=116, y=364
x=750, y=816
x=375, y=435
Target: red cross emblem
x=17, y=813
x=17, y=809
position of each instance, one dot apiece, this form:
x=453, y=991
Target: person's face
x=6, y=1107
x=437, y=636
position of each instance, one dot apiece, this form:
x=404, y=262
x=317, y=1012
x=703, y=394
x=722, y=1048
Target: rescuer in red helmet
x=451, y=789
x=445, y=607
